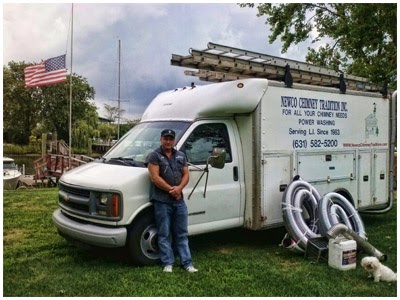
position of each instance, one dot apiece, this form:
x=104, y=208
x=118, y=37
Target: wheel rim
x=148, y=242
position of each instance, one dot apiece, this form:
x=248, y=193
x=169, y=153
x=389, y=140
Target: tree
x=363, y=36
x=106, y=131
x=20, y=110
x=48, y=106
x=55, y=106
x=111, y=112
x=82, y=133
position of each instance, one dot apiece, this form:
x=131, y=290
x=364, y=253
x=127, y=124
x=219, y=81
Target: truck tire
x=142, y=241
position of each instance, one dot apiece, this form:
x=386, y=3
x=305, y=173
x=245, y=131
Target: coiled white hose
x=301, y=225
x=308, y=215
x=333, y=208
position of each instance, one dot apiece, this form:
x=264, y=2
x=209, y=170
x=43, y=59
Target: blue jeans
x=172, y=219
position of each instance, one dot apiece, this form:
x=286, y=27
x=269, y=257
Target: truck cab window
x=203, y=140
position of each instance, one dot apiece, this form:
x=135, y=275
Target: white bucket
x=342, y=254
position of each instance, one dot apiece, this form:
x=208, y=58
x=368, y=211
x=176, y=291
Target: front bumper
x=89, y=233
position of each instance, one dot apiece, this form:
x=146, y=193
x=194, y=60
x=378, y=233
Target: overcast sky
x=149, y=34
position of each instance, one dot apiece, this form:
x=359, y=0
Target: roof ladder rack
x=223, y=63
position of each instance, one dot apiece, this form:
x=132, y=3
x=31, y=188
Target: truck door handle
x=235, y=173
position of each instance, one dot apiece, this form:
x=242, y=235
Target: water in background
x=26, y=160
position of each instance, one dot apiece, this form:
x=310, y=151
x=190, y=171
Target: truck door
x=380, y=176
x=372, y=182
x=364, y=179
x=220, y=208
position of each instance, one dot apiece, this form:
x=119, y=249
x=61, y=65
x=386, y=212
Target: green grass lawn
x=39, y=262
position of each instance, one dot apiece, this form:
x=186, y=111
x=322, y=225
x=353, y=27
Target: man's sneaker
x=191, y=269
x=168, y=269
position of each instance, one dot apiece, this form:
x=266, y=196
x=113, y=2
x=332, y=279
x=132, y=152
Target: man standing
x=169, y=174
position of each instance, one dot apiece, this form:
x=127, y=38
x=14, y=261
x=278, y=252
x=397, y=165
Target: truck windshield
x=133, y=148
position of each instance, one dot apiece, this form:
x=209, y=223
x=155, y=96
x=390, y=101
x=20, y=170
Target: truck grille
x=73, y=205
x=82, y=202
x=74, y=198
x=74, y=191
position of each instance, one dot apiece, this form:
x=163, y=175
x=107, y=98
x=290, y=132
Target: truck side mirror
x=217, y=158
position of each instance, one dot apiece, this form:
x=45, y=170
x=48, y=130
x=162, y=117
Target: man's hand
x=176, y=192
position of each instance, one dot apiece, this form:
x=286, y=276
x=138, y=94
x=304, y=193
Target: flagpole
x=119, y=84
x=70, y=89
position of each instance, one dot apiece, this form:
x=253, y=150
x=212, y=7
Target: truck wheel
x=142, y=241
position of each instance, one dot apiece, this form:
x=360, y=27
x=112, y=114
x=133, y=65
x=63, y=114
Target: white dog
x=377, y=270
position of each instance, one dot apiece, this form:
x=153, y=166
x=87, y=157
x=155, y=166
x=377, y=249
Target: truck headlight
x=108, y=204
x=103, y=198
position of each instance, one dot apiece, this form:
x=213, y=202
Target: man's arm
x=156, y=179
x=185, y=177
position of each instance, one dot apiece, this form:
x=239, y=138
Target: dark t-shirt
x=171, y=170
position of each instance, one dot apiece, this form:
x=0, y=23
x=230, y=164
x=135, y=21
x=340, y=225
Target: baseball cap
x=168, y=132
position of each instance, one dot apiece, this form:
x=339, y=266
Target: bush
x=11, y=149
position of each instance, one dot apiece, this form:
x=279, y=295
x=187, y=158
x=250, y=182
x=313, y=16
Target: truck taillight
x=114, y=205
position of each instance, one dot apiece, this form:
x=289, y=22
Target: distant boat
x=11, y=174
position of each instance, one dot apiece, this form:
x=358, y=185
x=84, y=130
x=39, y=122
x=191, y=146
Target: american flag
x=48, y=72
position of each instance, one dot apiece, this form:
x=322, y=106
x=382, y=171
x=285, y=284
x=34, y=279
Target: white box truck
x=270, y=133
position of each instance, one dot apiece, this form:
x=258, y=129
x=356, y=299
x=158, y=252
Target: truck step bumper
x=88, y=233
